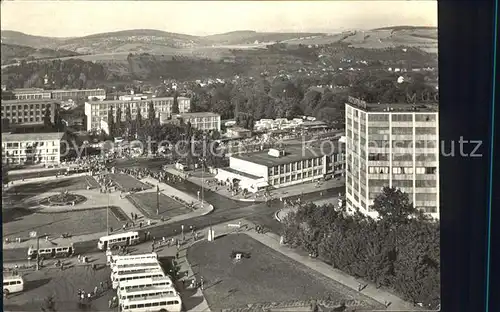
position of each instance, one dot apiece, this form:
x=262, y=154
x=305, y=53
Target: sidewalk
x=284, y=192
x=273, y=241
x=122, y=203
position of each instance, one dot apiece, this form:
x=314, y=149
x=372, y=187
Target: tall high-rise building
x=395, y=145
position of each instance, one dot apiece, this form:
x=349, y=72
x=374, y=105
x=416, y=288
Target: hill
x=12, y=53
x=161, y=42
x=22, y=39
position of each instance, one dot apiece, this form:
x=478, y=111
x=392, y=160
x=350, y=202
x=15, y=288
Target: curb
x=276, y=216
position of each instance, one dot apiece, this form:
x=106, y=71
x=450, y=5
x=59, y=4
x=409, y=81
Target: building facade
x=74, y=94
x=279, y=168
x=205, y=121
x=392, y=145
x=31, y=94
x=28, y=111
x=97, y=111
x=32, y=148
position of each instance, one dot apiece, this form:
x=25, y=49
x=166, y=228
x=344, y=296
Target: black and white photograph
x=231, y=156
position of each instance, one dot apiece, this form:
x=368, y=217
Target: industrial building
x=395, y=145
x=97, y=111
x=31, y=94
x=74, y=94
x=32, y=148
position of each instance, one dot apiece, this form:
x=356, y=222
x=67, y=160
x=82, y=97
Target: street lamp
x=157, y=200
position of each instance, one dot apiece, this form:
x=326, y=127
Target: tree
x=175, y=105
x=394, y=206
x=47, y=118
x=151, y=113
x=128, y=121
x=138, y=119
x=58, y=122
x=118, y=124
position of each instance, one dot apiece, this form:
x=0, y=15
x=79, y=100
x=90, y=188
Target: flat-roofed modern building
x=395, y=145
x=32, y=148
x=283, y=167
x=205, y=121
x=74, y=94
x=31, y=94
x=28, y=112
x=97, y=111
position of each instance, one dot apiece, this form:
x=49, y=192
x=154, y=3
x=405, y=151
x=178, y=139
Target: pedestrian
x=109, y=304
x=132, y=214
x=140, y=224
x=62, y=266
x=89, y=296
x=177, y=255
x=79, y=258
x=95, y=290
x=101, y=284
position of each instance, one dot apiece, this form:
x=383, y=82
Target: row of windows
x=403, y=183
x=401, y=157
x=430, y=209
x=296, y=177
x=24, y=144
x=402, y=117
x=402, y=170
x=299, y=165
x=25, y=106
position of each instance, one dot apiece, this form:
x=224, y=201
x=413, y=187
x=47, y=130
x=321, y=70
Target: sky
x=80, y=18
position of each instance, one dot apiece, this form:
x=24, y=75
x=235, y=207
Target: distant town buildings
x=32, y=148
x=238, y=133
x=31, y=94
x=395, y=145
x=97, y=111
x=28, y=112
x=284, y=123
x=61, y=94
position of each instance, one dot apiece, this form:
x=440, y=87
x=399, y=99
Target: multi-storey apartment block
x=28, y=111
x=78, y=94
x=97, y=111
x=31, y=94
x=204, y=121
x=32, y=148
x=395, y=145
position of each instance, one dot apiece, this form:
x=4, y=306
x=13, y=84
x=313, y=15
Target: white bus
x=138, y=269
x=142, y=257
x=157, y=303
x=116, y=240
x=12, y=284
x=165, y=281
x=123, y=264
x=135, y=276
x=147, y=292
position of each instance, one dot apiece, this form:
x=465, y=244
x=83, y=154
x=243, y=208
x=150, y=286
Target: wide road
x=225, y=211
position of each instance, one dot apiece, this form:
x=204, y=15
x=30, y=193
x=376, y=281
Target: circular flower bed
x=63, y=199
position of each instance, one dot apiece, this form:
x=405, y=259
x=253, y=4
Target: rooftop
x=293, y=153
x=170, y=98
x=29, y=101
x=243, y=174
x=29, y=90
x=73, y=90
x=30, y=137
x=392, y=107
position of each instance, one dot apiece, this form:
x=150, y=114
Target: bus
x=142, y=257
x=135, y=276
x=127, y=271
x=157, y=303
x=51, y=251
x=147, y=292
x=124, y=264
x=117, y=240
x=12, y=284
x=165, y=281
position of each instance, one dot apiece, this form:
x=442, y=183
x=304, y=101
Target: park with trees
x=399, y=251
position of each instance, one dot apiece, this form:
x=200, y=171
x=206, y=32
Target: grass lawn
x=63, y=285
x=25, y=191
x=146, y=203
x=267, y=276
x=18, y=222
x=126, y=182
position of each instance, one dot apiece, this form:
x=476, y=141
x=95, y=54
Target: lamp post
x=157, y=200
x=182, y=232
